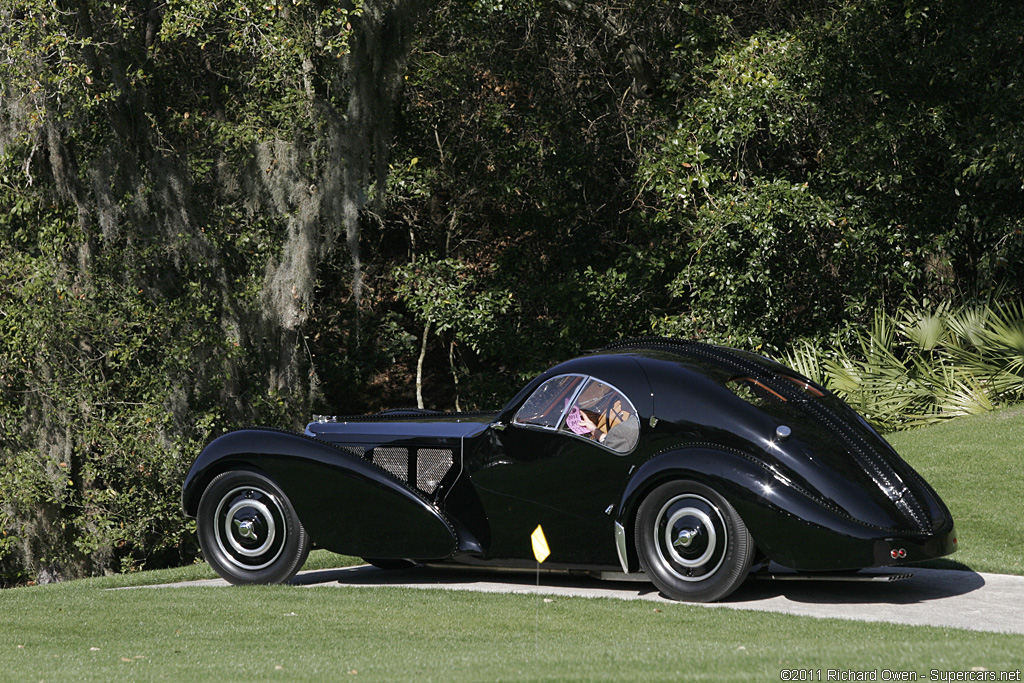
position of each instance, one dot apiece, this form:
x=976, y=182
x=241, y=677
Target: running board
x=637, y=577
x=819, y=576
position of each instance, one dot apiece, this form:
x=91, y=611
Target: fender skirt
x=347, y=504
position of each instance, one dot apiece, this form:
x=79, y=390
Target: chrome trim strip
x=620, y=546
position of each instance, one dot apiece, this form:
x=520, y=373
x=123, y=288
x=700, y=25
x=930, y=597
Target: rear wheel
x=249, y=531
x=692, y=543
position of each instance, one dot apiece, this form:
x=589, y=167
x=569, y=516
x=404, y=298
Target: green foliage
x=768, y=266
x=763, y=250
x=925, y=365
x=160, y=217
x=275, y=60
x=208, y=212
x=917, y=99
x=447, y=295
x=106, y=395
x=863, y=136
x=516, y=160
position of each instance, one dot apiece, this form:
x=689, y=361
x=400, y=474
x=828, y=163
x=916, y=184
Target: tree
x=447, y=297
x=171, y=177
x=816, y=162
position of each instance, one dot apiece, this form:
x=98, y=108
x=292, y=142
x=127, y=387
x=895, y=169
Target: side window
x=603, y=414
x=549, y=402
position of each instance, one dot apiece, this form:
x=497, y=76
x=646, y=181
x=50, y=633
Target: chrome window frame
x=561, y=416
x=559, y=425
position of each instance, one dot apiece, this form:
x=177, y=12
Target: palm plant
x=923, y=365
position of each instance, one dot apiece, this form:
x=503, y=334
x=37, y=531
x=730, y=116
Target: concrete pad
x=931, y=597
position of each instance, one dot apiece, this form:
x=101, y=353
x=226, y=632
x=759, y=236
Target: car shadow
x=456, y=575
x=869, y=587
x=924, y=585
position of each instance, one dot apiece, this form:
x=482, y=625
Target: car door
x=561, y=462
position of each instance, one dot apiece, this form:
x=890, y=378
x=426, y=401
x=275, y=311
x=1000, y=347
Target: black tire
x=691, y=542
x=249, y=531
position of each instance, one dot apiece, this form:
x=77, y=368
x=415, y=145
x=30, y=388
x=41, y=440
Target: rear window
x=758, y=392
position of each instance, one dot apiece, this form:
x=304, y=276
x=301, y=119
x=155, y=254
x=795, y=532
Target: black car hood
x=399, y=425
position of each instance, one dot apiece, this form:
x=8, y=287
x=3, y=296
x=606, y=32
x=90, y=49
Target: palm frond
x=927, y=329
x=924, y=365
x=806, y=359
x=1006, y=330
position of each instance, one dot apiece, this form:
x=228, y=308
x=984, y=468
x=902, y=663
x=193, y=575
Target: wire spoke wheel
x=692, y=543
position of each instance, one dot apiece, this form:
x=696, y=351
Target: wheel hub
x=246, y=528
x=685, y=537
x=250, y=528
x=691, y=537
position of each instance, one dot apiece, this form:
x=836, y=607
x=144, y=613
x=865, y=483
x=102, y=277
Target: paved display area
x=931, y=597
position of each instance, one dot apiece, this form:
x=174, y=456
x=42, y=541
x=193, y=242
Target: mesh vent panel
x=394, y=460
x=431, y=466
x=355, y=450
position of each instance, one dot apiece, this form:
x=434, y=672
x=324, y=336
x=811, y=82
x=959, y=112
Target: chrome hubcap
x=685, y=538
x=246, y=528
x=250, y=528
x=691, y=537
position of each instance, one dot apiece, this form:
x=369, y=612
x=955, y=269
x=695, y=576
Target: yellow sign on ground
x=540, y=544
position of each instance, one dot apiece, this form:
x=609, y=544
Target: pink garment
x=573, y=422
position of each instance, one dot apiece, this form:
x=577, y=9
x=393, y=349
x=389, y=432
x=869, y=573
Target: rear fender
x=790, y=526
x=346, y=503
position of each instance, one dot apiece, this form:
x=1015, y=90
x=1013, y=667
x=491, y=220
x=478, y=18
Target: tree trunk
x=419, y=367
x=455, y=374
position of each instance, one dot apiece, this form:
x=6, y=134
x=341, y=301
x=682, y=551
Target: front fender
x=790, y=525
x=346, y=503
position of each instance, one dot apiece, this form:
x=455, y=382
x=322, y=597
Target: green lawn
x=80, y=631
x=977, y=466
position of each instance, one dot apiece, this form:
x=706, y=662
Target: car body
x=689, y=462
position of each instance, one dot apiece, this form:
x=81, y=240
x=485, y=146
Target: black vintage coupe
x=688, y=462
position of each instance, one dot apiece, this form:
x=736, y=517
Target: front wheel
x=692, y=543
x=249, y=531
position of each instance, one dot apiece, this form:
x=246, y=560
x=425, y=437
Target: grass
x=80, y=631
x=318, y=559
x=977, y=466
x=75, y=632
